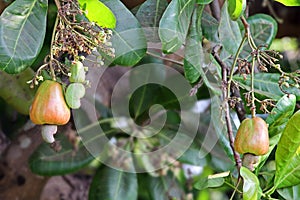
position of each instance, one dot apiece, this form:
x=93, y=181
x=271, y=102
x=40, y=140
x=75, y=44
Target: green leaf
x=128, y=38
x=15, y=91
x=263, y=30
x=203, y=2
x=45, y=161
x=210, y=27
x=174, y=24
x=287, y=154
x=194, y=61
x=97, y=12
x=251, y=188
x=289, y=2
x=280, y=114
x=291, y=193
x=194, y=56
x=277, y=121
x=113, y=184
x=149, y=15
x=211, y=181
x=265, y=84
x=163, y=187
x=229, y=31
x=22, y=32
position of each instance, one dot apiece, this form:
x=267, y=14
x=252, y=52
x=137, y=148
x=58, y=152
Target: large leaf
x=251, y=188
x=290, y=2
x=290, y=193
x=15, y=91
x=128, y=40
x=194, y=61
x=45, y=161
x=163, y=187
x=110, y=183
x=277, y=121
x=229, y=31
x=174, y=24
x=263, y=29
x=149, y=15
x=97, y=12
x=22, y=32
x=266, y=84
x=194, y=56
x=287, y=155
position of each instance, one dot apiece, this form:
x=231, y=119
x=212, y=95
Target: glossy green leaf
x=97, y=12
x=263, y=30
x=15, y=91
x=194, y=60
x=163, y=187
x=22, y=32
x=113, y=184
x=174, y=24
x=289, y=2
x=45, y=161
x=74, y=92
x=128, y=38
x=211, y=181
x=251, y=188
x=210, y=27
x=203, y=2
x=287, y=154
x=280, y=114
x=277, y=121
x=149, y=15
x=265, y=84
x=194, y=56
x=290, y=193
x=229, y=31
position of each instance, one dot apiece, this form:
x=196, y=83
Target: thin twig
x=253, y=107
x=164, y=58
x=239, y=106
x=226, y=107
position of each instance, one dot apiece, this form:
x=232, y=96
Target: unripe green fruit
x=252, y=137
x=74, y=92
x=77, y=72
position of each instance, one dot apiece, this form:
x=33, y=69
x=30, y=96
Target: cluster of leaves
x=175, y=24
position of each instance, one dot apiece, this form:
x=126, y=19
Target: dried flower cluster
x=75, y=35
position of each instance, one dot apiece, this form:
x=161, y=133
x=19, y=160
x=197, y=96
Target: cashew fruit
x=252, y=137
x=49, y=105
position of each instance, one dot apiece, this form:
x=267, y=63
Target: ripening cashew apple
x=252, y=137
x=252, y=140
x=49, y=105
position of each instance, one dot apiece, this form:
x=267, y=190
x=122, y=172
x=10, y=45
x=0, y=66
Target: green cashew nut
x=77, y=72
x=74, y=92
x=236, y=8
